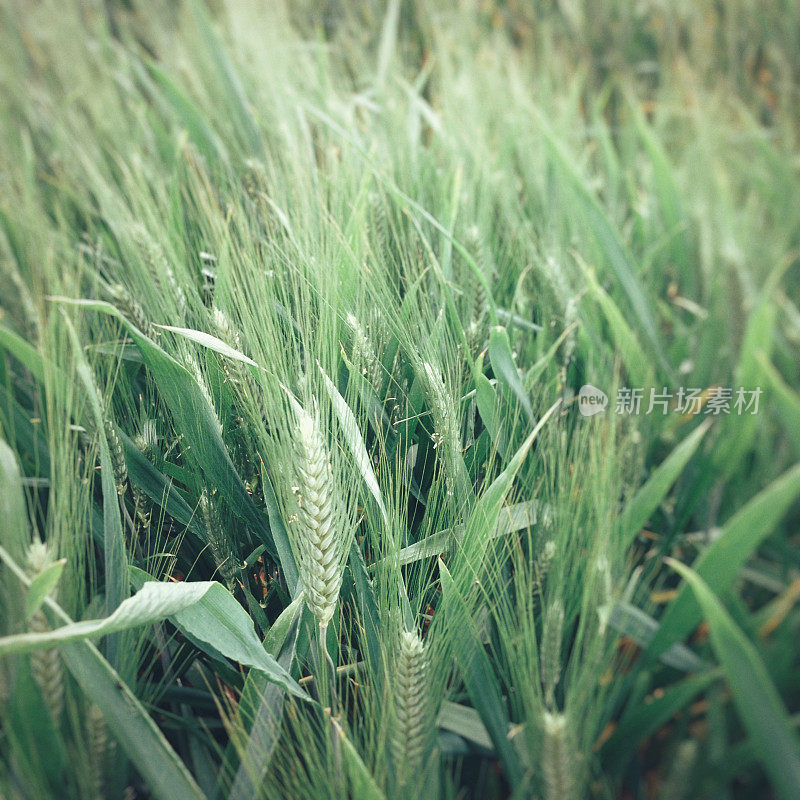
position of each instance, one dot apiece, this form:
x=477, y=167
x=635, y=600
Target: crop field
x=399, y=400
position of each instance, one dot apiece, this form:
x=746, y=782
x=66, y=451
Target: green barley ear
x=131, y=310
x=550, y=653
x=98, y=741
x=412, y=718
x=380, y=222
x=160, y=268
x=146, y=441
x=478, y=314
x=226, y=328
x=544, y=562
x=364, y=355
x=558, y=759
x=116, y=452
x=571, y=316
x=316, y=529
x=605, y=600
x=191, y=364
x=446, y=420
x=45, y=664
x=221, y=551
x=117, y=455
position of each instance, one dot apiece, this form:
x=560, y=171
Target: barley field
x=399, y=399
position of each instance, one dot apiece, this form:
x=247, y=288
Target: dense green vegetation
x=296, y=495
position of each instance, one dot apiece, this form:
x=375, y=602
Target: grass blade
x=12, y=504
x=478, y=675
x=355, y=442
x=609, y=240
x=754, y=694
x=646, y=719
x=721, y=562
x=485, y=514
x=505, y=369
x=210, y=342
x=362, y=784
x=650, y=496
x=41, y=586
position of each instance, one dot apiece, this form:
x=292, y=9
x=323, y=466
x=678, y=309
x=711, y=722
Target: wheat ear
x=550, y=655
x=364, y=355
x=223, y=554
x=317, y=533
x=117, y=454
x=412, y=708
x=98, y=748
x=131, y=309
x=558, y=762
x=45, y=664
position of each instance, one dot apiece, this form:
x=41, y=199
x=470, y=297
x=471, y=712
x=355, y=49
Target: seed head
x=550, y=655
x=45, y=664
x=558, y=761
x=317, y=532
x=412, y=717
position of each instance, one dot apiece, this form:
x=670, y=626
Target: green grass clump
x=296, y=305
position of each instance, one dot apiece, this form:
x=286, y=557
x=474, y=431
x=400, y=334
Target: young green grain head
x=412, y=719
x=45, y=664
x=319, y=530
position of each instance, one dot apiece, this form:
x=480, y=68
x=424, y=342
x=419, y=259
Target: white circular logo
x=591, y=400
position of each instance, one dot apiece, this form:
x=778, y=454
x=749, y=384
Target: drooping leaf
x=152, y=603
x=641, y=627
x=210, y=342
x=127, y=720
x=217, y=620
x=205, y=610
